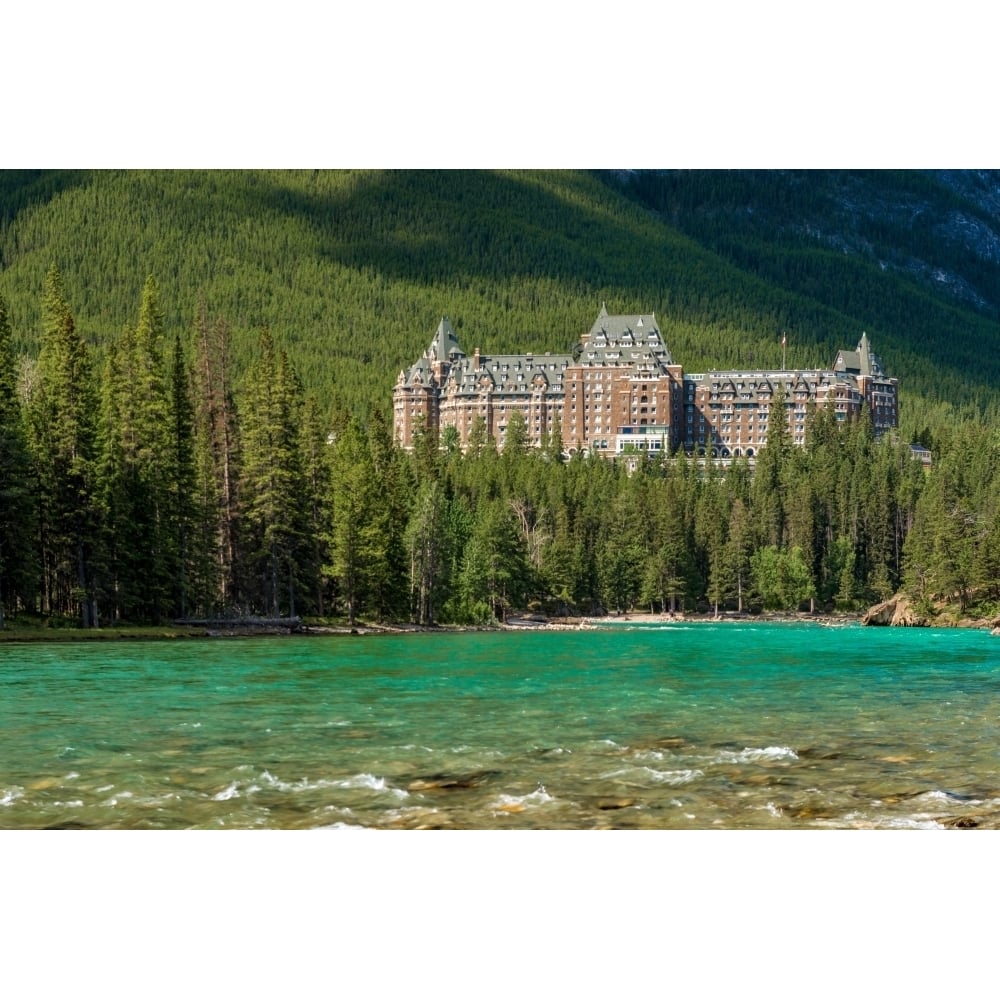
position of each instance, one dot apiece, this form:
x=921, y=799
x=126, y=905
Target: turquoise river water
x=675, y=726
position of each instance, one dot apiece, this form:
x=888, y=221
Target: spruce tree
x=62, y=412
x=620, y=554
x=355, y=548
x=738, y=552
x=388, y=573
x=17, y=510
x=181, y=482
x=423, y=540
x=768, y=504
x=217, y=462
x=495, y=573
x=273, y=484
x=314, y=445
x=135, y=444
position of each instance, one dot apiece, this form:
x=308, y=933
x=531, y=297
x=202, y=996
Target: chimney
x=476, y=360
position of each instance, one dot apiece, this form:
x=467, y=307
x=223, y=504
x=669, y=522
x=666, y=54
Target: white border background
x=528, y=84
x=444, y=84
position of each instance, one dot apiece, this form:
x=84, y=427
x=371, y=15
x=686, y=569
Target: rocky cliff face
x=899, y=611
x=896, y=611
x=938, y=227
x=952, y=224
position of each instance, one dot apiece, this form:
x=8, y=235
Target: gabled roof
x=637, y=326
x=863, y=361
x=510, y=372
x=419, y=373
x=635, y=332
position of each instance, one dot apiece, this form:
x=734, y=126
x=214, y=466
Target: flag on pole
x=784, y=340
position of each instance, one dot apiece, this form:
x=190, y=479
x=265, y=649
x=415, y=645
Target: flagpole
x=784, y=339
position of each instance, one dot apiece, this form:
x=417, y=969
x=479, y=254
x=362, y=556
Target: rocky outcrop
x=896, y=611
x=899, y=611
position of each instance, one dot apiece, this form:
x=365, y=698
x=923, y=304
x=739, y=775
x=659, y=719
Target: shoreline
x=707, y=618
x=146, y=633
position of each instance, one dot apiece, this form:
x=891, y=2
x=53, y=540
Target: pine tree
x=552, y=445
x=118, y=589
x=217, y=461
x=389, y=594
x=181, y=483
x=516, y=441
x=620, y=556
x=768, y=506
x=426, y=452
x=61, y=416
x=424, y=538
x=800, y=510
x=17, y=511
x=315, y=447
x=494, y=576
x=713, y=523
x=354, y=495
x=738, y=551
x=479, y=438
x=135, y=446
x=560, y=569
x=273, y=484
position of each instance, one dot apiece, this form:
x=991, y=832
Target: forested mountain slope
x=915, y=253
x=350, y=271
x=164, y=450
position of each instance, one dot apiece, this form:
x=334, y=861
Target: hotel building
x=622, y=393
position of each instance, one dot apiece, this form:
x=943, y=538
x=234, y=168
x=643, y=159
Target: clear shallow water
x=694, y=726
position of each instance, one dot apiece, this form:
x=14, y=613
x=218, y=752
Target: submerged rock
x=960, y=823
x=819, y=753
x=608, y=804
x=451, y=782
x=44, y=784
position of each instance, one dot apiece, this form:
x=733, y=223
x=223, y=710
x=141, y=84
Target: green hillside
x=350, y=271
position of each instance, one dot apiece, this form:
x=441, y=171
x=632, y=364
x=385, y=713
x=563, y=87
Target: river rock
x=451, y=782
x=44, y=784
x=670, y=743
x=510, y=807
x=608, y=804
x=896, y=611
x=960, y=822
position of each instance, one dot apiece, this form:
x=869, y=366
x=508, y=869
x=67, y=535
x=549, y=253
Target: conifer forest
x=197, y=425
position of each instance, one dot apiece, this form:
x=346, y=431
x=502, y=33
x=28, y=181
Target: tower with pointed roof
x=879, y=392
x=417, y=390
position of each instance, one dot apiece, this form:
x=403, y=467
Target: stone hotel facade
x=622, y=392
